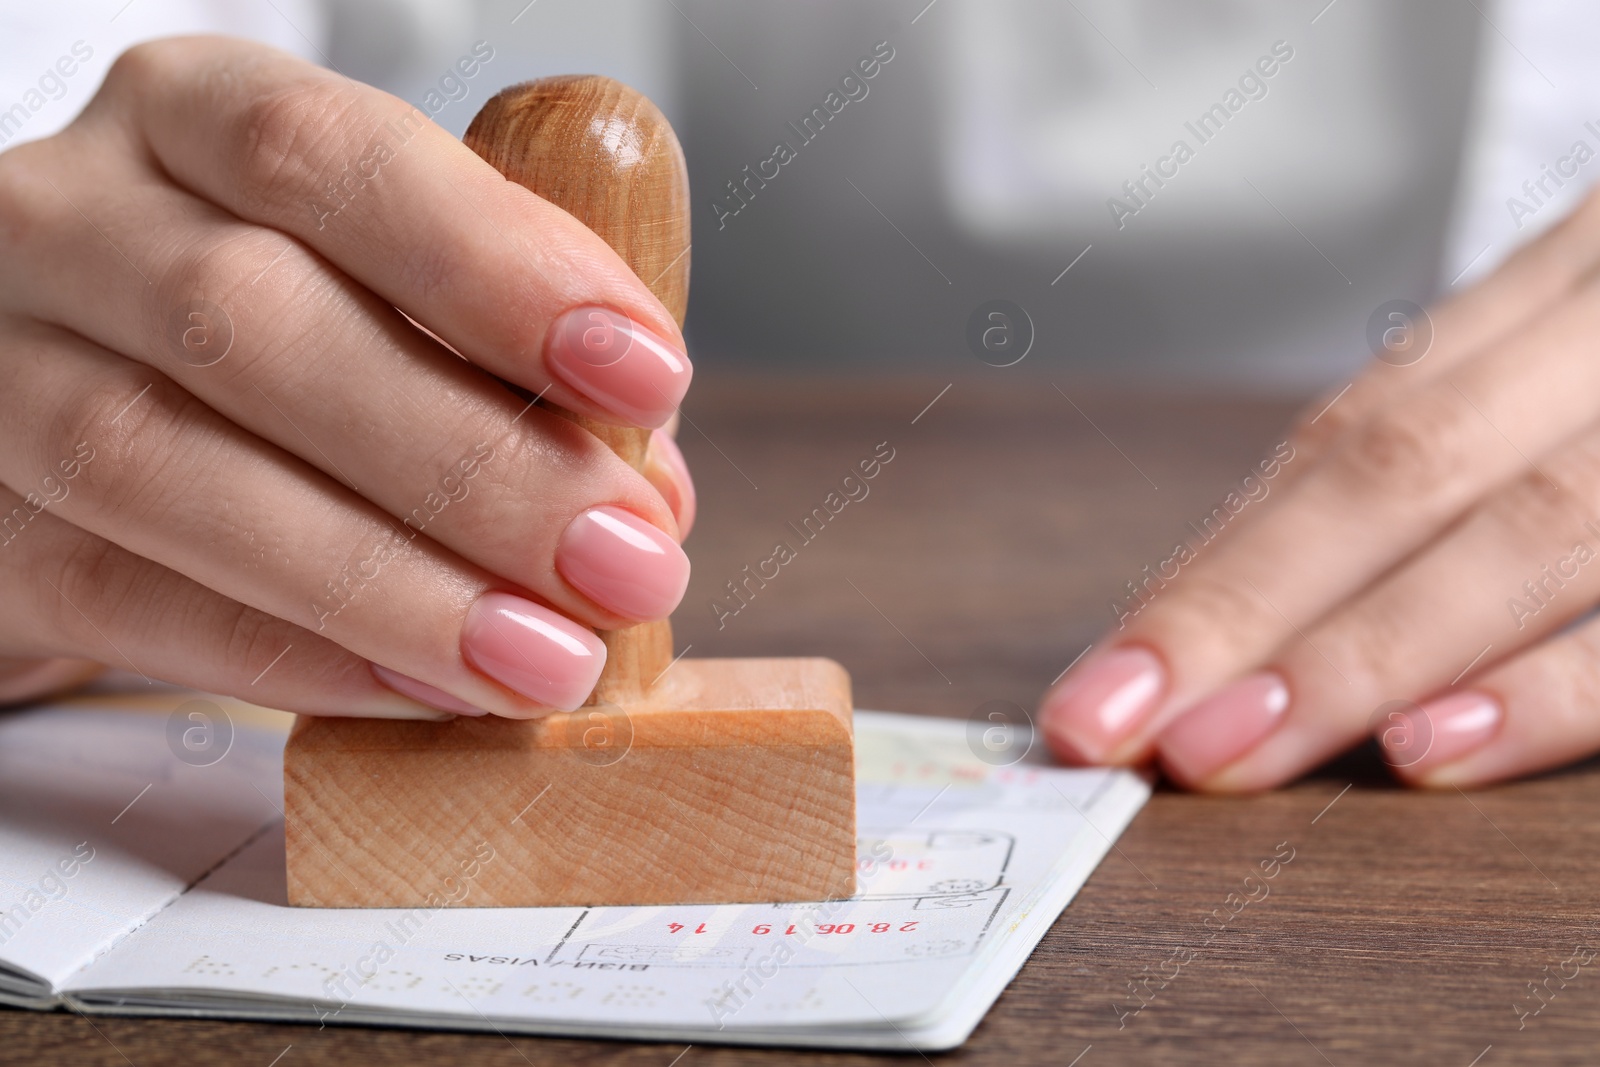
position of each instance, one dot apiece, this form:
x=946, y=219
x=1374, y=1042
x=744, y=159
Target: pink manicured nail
x=623, y=563
x=1104, y=702
x=1218, y=731
x=1449, y=728
x=683, y=509
x=422, y=692
x=529, y=648
x=618, y=364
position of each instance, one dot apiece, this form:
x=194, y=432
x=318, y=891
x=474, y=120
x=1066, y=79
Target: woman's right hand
x=228, y=461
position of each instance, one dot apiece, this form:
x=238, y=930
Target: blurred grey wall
x=980, y=164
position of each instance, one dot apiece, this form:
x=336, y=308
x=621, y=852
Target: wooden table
x=1406, y=929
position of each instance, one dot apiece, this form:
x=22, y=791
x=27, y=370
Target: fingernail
x=1098, y=706
x=422, y=692
x=683, y=508
x=1454, y=725
x=623, y=563
x=617, y=363
x=1217, y=731
x=526, y=647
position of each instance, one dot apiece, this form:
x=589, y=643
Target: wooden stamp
x=688, y=782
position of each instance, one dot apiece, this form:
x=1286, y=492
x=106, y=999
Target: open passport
x=143, y=874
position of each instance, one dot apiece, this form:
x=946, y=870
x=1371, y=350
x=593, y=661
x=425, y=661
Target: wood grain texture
x=1404, y=930
x=732, y=782
x=607, y=156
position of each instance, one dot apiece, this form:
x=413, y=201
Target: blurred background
x=982, y=160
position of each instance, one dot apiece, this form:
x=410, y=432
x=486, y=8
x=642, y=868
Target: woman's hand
x=228, y=461
x=1425, y=539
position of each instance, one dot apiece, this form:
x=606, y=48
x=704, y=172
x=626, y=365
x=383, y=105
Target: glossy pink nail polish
x=1449, y=728
x=617, y=363
x=1219, y=730
x=422, y=692
x=528, y=648
x=623, y=563
x=1102, y=703
x=683, y=509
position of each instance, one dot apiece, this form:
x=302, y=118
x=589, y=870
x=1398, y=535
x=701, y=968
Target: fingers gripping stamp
x=696, y=781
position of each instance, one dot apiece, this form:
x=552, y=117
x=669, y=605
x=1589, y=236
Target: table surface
x=1407, y=927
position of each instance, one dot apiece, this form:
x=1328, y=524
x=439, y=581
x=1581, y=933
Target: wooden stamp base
x=731, y=781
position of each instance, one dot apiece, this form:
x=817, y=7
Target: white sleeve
x=1531, y=149
x=53, y=56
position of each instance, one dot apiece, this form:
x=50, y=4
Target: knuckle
x=215, y=268
x=516, y=335
x=1557, y=685
x=1320, y=425
x=85, y=578
x=81, y=418
x=1414, y=451
x=541, y=471
x=212, y=266
x=543, y=445
x=1369, y=646
x=438, y=267
x=125, y=442
x=137, y=66
x=485, y=468
x=250, y=636
x=283, y=137
x=1220, y=614
x=1568, y=684
x=28, y=217
x=1537, y=514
